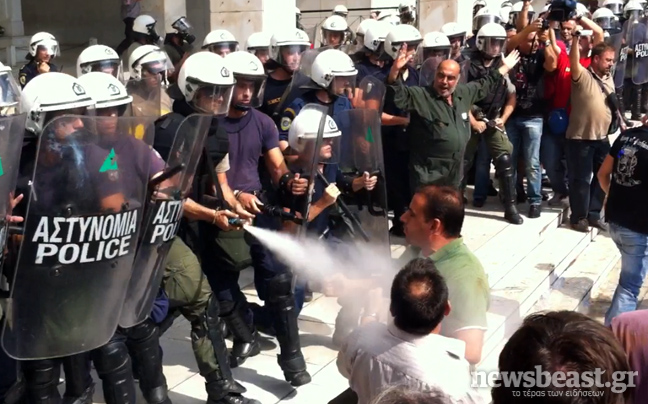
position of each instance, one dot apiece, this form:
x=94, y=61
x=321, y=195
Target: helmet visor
x=481, y=20
x=343, y=85
x=334, y=38
x=113, y=67
x=212, y=99
x=223, y=48
x=459, y=39
x=493, y=46
x=158, y=69
x=329, y=152
x=9, y=94
x=248, y=91
x=437, y=53
x=50, y=46
x=605, y=22
x=617, y=8
x=290, y=56
x=181, y=25
x=634, y=15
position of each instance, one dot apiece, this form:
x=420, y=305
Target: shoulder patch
x=23, y=79
x=285, y=123
x=290, y=111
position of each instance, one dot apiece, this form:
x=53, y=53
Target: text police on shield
x=61, y=240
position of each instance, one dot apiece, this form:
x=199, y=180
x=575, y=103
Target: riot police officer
x=178, y=44
x=149, y=68
x=369, y=61
x=43, y=47
x=286, y=48
x=144, y=33
x=488, y=115
x=334, y=32
x=220, y=42
x=251, y=134
x=258, y=44
x=332, y=80
x=99, y=58
x=484, y=16
x=206, y=87
x=457, y=36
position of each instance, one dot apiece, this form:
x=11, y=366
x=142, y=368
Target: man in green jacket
x=439, y=126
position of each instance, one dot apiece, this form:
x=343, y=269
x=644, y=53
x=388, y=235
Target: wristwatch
x=547, y=42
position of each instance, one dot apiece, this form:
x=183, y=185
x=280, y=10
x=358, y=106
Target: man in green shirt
x=433, y=224
x=439, y=126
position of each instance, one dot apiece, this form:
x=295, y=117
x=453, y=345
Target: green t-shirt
x=468, y=288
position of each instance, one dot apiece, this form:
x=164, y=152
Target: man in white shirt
x=408, y=350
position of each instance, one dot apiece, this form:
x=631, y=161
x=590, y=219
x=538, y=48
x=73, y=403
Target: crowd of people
x=164, y=152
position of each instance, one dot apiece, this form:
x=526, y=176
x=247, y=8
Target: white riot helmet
x=633, y=10
x=484, y=16
x=340, y=10
x=616, y=6
x=305, y=128
x=334, y=71
x=106, y=91
x=582, y=10
x=490, y=40
x=50, y=93
x=454, y=31
x=221, y=42
x=206, y=83
x=361, y=32
x=99, y=58
x=374, y=39
x=605, y=18
x=258, y=44
x=390, y=17
x=287, y=46
x=478, y=5
x=334, y=27
x=516, y=10
x=435, y=44
x=149, y=60
x=250, y=78
x=145, y=24
x=9, y=92
x=44, y=40
x=400, y=35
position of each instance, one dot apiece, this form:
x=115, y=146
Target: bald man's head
x=446, y=77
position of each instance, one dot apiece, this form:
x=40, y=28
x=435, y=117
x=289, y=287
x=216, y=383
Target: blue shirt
x=30, y=70
x=249, y=138
x=320, y=223
x=366, y=68
x=341, y=103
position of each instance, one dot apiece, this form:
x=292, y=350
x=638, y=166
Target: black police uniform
x=30, y=70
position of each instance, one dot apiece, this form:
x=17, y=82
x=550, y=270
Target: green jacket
x=438, y=133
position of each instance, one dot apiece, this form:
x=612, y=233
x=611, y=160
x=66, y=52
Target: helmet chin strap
x=240, y=107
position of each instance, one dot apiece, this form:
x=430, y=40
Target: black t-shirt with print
x=527, y=77
x=628, y=197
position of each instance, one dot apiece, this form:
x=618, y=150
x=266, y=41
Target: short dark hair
x=407, y=395
x=563, y=341
x=601, y=48
x=419, y=296
x=445, y=203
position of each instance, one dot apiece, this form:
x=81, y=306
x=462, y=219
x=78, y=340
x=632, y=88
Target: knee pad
x=280, y=287
x=225, y=306
x=41, y=372
x=503, y=163
x=111, y=358
x=142, y=332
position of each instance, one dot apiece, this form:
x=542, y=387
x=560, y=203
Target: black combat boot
x=504, y=170
x=79, y=387
x=244, y=335
x=220, y=384
x=281, y=303
x=144, y=346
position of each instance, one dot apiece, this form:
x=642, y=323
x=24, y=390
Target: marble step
x=514, y=296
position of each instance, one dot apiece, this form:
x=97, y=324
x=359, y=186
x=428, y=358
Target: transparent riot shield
x=12, y=130
x=617, y=42
x=638, y=33
x=306, y=161
x=370, y=94
x=362, y=154
x=162, y=218
x=428, y=70
x=80, y=236
x=147, y=96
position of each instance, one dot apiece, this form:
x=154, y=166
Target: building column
x=245, y=17
x=11, y=17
